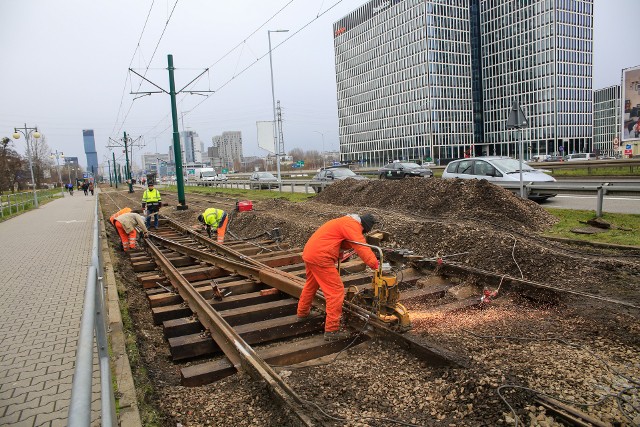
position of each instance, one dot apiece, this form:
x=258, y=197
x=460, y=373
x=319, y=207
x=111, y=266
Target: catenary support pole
x=176, y=138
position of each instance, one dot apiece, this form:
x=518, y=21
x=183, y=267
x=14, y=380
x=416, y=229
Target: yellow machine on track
x=381, y=297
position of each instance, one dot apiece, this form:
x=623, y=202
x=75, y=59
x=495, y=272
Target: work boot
x=336, y=335
x=312, y=313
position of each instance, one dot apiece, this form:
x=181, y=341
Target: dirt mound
x=457, y=198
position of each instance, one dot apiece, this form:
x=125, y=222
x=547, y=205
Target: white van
x=495, y=168
x=580, y=157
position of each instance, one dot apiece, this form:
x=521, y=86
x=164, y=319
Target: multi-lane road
x=612, y=203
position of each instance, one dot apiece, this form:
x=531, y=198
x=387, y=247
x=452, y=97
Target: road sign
x=516, y=119
x=225, y=170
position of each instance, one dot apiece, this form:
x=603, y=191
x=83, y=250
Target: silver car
x=498, y=169
x=260, y=180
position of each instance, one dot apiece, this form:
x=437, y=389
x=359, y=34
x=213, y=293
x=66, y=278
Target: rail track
x=239, y=299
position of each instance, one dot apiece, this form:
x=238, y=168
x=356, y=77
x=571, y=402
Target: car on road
x=554, y=159
x=333, y=173
x=399, y=170
x=499, y=169
x=260, y=180
x=579, y=157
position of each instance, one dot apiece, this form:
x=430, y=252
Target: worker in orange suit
x=320, y=255
x=112, y=220
x=113, y=217
x=126, y=225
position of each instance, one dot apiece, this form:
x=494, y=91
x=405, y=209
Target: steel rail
x=292, y=285
x=239, y=353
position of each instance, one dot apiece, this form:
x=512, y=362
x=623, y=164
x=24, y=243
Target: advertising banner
x=266, y=140
x=630, y=104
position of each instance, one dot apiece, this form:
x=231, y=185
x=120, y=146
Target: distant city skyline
x=64, y=83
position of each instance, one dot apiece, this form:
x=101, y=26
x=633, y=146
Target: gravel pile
x=453, y=199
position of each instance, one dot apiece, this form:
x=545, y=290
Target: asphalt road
x=611, y=204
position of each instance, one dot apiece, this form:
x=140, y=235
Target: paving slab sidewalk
x=44, y=257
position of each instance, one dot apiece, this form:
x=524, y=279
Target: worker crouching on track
x=215, y=220
x=151, y=202
x=320, y=255
x=126, y=225
x=112, y=220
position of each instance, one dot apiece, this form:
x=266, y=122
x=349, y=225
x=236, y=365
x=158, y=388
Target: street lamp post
x=57, y=156
x=323, y=156
x=273, y=96
x=27, y=132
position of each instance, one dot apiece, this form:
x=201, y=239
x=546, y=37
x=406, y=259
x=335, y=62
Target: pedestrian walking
x=215, y=220
x=151, y=202
x=85, y=188
x=320, y=255
x=126, y=224
x=91, y=188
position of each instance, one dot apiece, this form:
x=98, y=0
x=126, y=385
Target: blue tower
x=90, y=151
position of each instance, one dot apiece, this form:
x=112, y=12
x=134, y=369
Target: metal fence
x=94, y=319
x=11, y=204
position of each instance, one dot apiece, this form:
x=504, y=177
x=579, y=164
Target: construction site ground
x=579, y=349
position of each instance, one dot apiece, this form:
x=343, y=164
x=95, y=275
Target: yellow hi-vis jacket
x=213, y=217
x=151, y=196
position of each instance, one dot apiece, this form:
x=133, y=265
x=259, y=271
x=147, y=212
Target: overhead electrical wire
x=124, y=88
x=150, y=60
x=252, y=64
x=229, y=52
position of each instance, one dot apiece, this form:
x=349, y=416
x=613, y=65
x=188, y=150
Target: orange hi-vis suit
x=125, y=224
x=320, y=255
x=113, y=217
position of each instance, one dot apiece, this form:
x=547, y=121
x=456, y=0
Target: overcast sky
x=64, y=68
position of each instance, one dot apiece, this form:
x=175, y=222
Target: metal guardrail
x=20, y=201
x=599, y=188
x=94, y=318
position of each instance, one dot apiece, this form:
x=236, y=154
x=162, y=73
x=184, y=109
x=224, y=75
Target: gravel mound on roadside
x=457, y=198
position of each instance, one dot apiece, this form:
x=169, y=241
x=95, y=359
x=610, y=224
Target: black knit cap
x=201, y=218
x=367, y=221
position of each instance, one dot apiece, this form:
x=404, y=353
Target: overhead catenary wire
x=124, y=88
x=227, y=82
x=150, y=60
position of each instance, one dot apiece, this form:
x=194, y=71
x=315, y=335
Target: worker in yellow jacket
x=151, y=202
x=215, y=220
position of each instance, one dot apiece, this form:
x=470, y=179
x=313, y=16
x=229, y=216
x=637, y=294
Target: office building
x=90, y=150
x=606, y=120
x=229, y=149
x=191, y=146
x=420, y=79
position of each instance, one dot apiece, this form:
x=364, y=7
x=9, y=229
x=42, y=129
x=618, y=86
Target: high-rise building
x=423, y=79
x=90, y=151
x=229, y=148
x=191, y=146
x=606, y=119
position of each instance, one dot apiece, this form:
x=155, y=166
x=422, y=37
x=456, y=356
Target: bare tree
x=10, y=165
x=40, y=158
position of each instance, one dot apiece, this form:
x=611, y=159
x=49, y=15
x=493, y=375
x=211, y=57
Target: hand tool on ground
x=382, y=298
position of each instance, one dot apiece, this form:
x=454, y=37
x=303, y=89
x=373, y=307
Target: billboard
x=630, y=104
x=266, y=139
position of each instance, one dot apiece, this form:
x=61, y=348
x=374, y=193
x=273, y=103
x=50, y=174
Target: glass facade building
x=423, y=79
x=606, y=119
x=90, y=150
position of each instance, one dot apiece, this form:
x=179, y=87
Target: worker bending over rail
x=215, y=220
x=126, y=225
x=320, y=255
x=151, y=202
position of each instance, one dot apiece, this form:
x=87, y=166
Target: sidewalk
x=44, y=257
